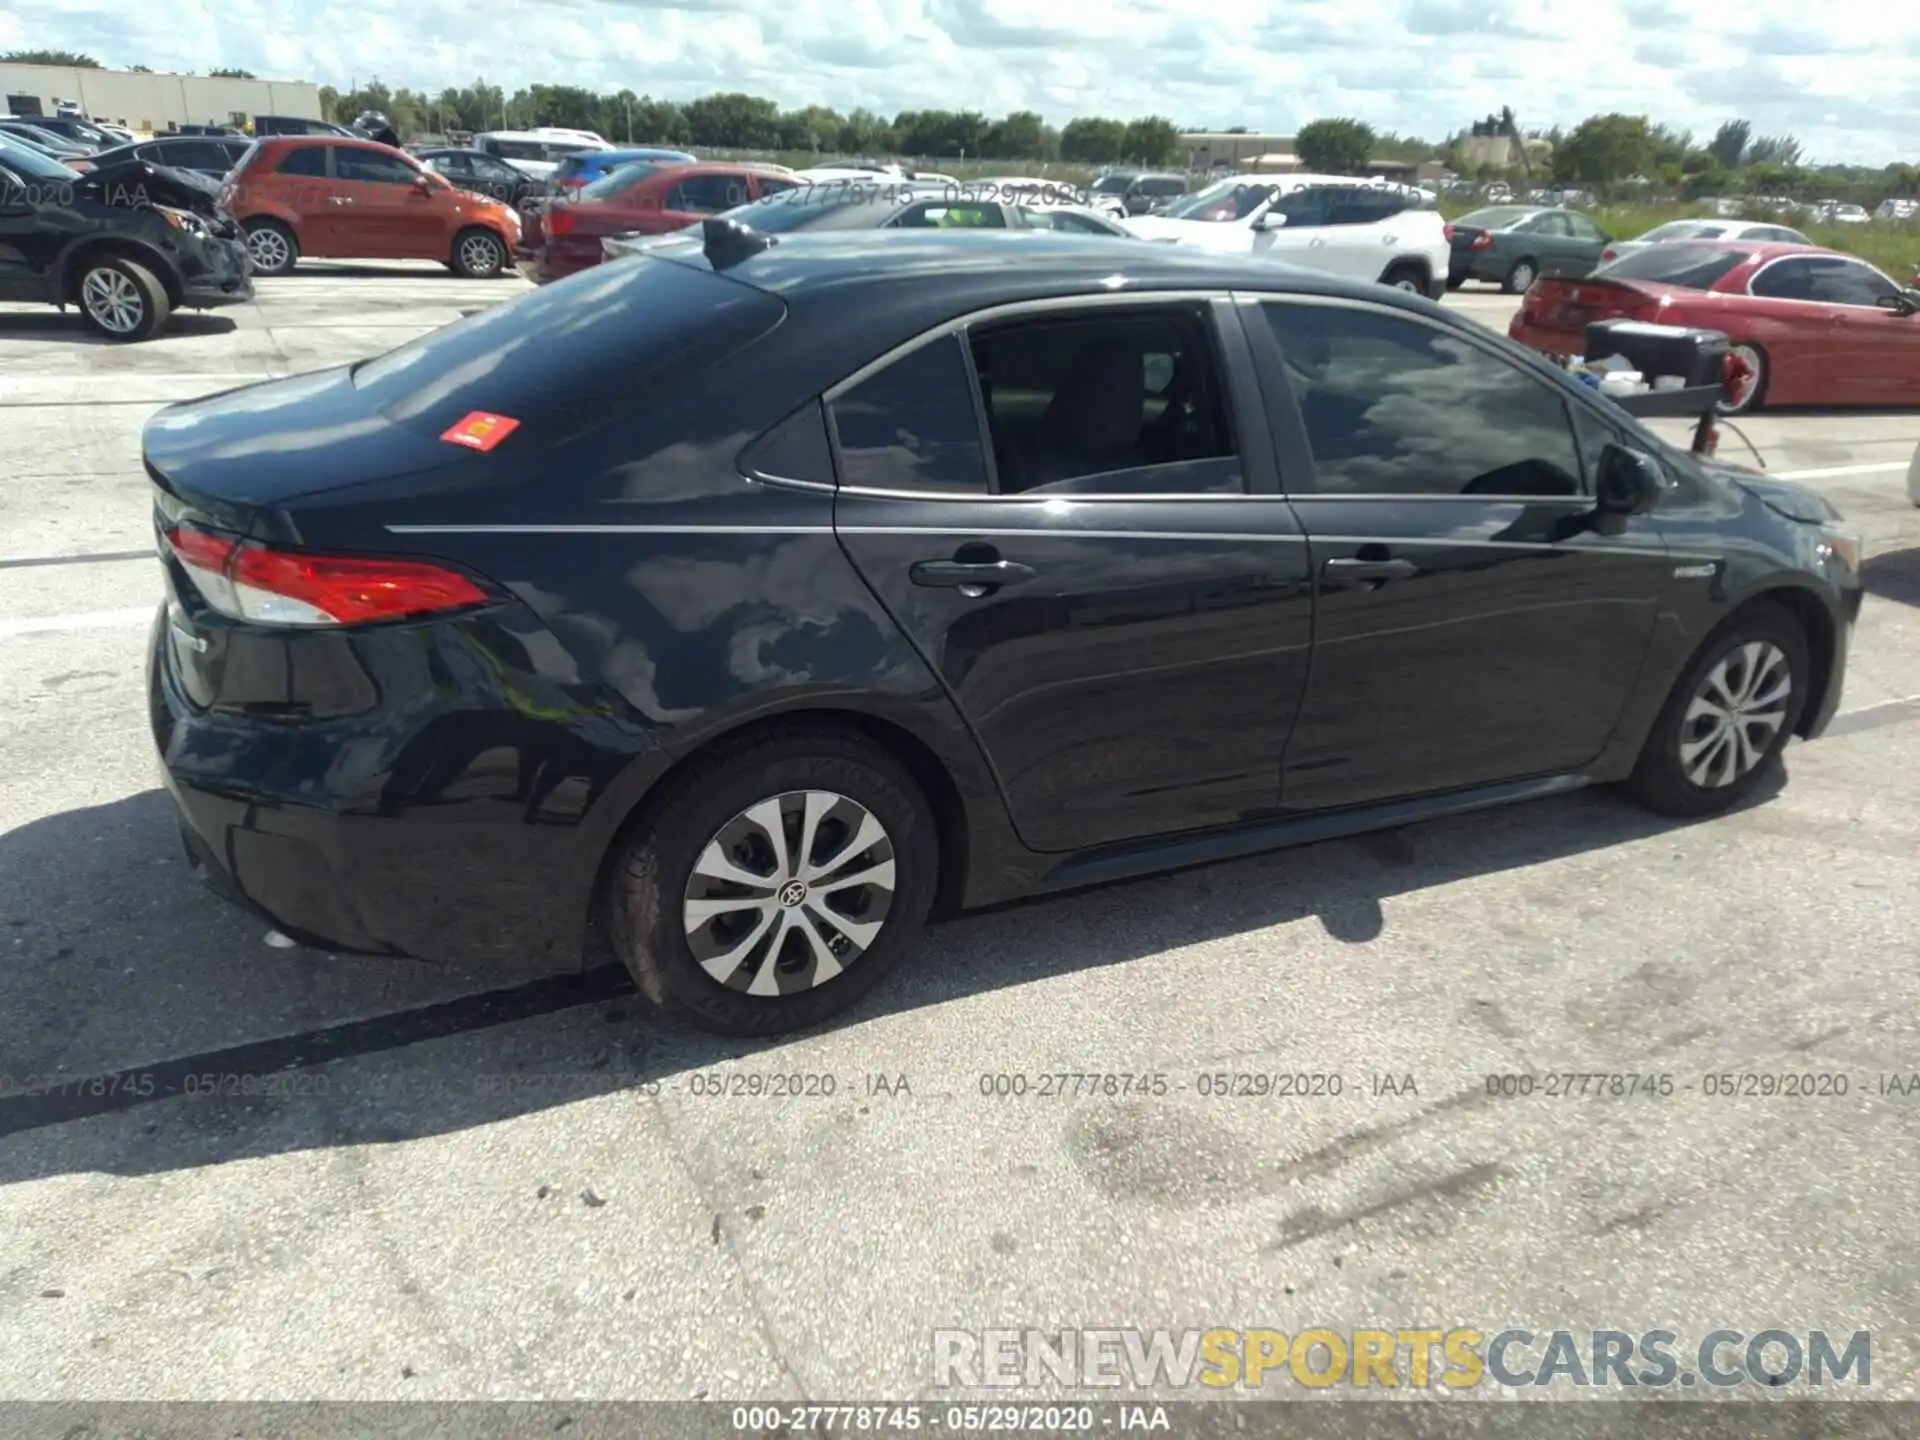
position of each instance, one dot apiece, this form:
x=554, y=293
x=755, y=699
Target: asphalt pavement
x=483, y=1183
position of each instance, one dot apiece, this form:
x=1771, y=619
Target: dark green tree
x=70, y=59
x=1334, y=147
x=1729, y=143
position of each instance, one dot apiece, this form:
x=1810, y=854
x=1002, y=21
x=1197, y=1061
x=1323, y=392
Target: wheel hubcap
x=479, y=254
x=1408, y=285
x=1735, y=715
x=268, y=249
x=789, y=893
x=112, y=301
x=1752, y=378
x=1522, y=277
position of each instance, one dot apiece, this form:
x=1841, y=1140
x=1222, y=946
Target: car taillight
x=559, y=220
x=1609, y=254
x=1446, y=232
x=1483, y=241
x=250, y=581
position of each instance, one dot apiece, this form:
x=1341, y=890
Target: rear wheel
x=1753, y=389
x=1729, y=717
x=1520, y=278
x=271, y=247
x=776, y=883
x=478, y=254
x=121, y=299
x=1404, y=276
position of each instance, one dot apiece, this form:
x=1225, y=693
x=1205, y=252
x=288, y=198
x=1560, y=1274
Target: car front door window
x=1784, y=280
x=1847, y=282
x=707, y=194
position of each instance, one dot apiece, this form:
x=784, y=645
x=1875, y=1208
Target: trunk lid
x=1573, y=304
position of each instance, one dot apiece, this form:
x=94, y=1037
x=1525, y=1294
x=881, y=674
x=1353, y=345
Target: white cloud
x=1840, y=80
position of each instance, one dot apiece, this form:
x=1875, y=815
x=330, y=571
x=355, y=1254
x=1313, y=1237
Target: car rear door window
x=371, y=167
x=1394, y=406
x=308, y=160
x=1304, y=207
x=1584, y=229
x=188, y=154
x=1362, y=206
x=1784, y=280
x=1126, y=403
x=944, y=215
x=913, y=425
x=708, y=194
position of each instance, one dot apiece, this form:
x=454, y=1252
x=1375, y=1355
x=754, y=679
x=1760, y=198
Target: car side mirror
x=1629, y=484
x=1272, y=220
x=1907, y=302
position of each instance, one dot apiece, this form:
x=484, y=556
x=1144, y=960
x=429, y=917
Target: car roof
x=990, y=267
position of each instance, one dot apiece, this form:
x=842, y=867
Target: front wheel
x=271, y=247
x=776, y=884
x=479, y=254
x=123, y=300
x=1729, y=717
x=1752, y=390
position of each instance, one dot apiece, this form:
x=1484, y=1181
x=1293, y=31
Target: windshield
x=1692, y=267
x=1112, y=184
x=1496, y=217
x=1672, y=230
x=1228, y=200
x=616, y=181
x=31, y=164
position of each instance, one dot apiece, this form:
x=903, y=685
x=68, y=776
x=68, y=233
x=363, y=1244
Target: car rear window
x=616, y=181
x=1692, y=267
x=303, y=160
x=565, y=358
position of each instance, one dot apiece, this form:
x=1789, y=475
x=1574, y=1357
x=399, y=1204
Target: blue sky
x=1842, y=79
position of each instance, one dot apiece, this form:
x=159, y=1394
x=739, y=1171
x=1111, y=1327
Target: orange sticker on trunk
x=480, y=430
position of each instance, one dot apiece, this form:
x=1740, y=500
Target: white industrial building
x=150, y=102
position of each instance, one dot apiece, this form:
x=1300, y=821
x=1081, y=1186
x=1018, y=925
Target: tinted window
x=940, y=215
x=1585, y=229
x=774, y=185
x=1112, y=184
x=454, y=167
x=1303, y=207
x=1227, y=200
x=306, y=160
x=1362, y=207
x=1551, y=225
x=1068, y=399
x=1163, y=187
x=488, y=168
x=372, y=167
x=1497, y=217
x=565, y=359
x=1395, y=407
x=1843, y=282
x=1692, y=267
x=1784, y=280
x=708, y=194
x=913, y=425
x=618, y=180
x=188, y=154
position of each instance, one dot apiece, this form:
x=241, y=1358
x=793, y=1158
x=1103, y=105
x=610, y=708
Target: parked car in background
x=563, y=235
x=1701, y=230
x=72, y=128
x=359, y=200
x=897, y=590
x=1073, y=220
x=1144, y=194
x=127, y=264
x=266, y=125
x=1897, y=209
x=1513, y=245
x=1813, y=326
x=478, y=173
x=1847, y=215
x=45, y=141
x=534, y=152
x=577, y=171
x=203, y=155
x=1364, y=230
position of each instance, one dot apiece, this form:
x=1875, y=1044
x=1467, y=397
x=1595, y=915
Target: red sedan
x=563, y=236
x=1814, y=326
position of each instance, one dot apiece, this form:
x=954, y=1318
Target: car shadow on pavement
x=150, y=1028
x=71, y=325
x=1894, y=575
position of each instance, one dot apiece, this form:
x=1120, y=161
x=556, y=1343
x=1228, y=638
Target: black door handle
x=964, y=574
x=1368, y=572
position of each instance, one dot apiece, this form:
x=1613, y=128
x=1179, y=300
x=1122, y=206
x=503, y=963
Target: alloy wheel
x=1522, y=278
x=789, y=893
x=480, y=254
x=267, y=247
x=1735, y=714
x=1744, y=396
x=113, y=301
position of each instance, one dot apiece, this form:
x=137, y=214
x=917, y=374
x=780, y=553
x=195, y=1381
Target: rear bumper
x=1475, y=265
x=1549, y=342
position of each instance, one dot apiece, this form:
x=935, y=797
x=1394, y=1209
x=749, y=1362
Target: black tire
x=478, y=253
x=1660, y=780
x=1453, y=284
x=655, y=869
x=1756, y=393
x=266, y=256
x=1524, y=270
x=1402, y=275
x=121, y=299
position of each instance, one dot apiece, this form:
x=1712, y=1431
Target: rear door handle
x=1366, y=572
x=974, y=576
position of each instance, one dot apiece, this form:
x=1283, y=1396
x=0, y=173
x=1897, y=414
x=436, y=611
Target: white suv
x=1363, y=229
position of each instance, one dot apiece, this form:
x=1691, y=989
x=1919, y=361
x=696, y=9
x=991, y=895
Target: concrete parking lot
x=486, y=1184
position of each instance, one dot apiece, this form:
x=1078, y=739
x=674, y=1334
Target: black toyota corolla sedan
x=761, y=596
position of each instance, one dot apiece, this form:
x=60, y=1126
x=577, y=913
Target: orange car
x=300, y=195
